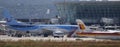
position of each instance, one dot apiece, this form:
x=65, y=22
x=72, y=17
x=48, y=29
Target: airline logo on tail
x=80, y=24
x=8, y=17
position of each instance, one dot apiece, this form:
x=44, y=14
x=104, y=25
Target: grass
x=31, y=43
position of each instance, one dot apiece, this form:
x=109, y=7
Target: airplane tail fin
x=8, y=17
x=81, y=24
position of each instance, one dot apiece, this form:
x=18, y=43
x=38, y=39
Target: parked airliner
x=20, y=26
x=108, y=34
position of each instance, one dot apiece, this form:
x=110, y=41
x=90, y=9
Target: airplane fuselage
x=23, y=27
x=66, y=27
x=99, y=34
x=40, y=27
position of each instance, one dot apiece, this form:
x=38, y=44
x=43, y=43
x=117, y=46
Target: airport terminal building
x=91, y=12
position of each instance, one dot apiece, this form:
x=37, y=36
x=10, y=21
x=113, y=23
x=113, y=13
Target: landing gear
x=28, y=34
x=56, y=36
x=46, y=35
x=16, y=34
x=22, y=34
x=19, y=34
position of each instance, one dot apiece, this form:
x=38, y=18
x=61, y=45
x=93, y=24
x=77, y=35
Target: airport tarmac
x=8, y=38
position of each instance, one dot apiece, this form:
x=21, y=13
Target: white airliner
x=108, y=34
x=13, y=24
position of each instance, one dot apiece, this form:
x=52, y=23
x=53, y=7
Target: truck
x=58, y=34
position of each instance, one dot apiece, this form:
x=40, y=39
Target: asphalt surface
x=50, y=38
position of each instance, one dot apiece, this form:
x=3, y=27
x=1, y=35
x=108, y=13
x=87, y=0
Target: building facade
x=91, y=12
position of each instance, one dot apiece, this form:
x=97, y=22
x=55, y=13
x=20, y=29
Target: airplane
x=108, y=34
x=20, y=26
